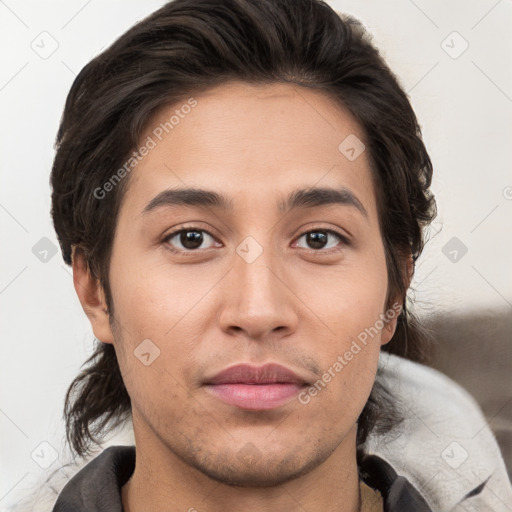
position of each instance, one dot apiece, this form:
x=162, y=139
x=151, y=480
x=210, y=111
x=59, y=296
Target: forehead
x=253, y=143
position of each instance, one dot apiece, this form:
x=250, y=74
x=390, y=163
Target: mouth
x=255, y=388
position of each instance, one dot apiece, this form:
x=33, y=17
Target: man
x=241, y=189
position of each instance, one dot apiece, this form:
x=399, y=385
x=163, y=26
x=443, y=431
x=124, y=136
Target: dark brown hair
x=184, y=48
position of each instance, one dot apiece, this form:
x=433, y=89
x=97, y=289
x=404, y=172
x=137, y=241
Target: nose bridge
x=253, y=266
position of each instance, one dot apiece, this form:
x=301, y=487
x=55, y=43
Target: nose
x=259, y=299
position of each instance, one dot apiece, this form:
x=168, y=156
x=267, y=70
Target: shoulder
x=69, y=486
x=97, y=486
x=444, y=447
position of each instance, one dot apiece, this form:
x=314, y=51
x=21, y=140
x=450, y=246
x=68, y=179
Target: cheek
x=152, y=297
x=346, y=326
x=338, y=396
x=346, y=299
x=156, y=313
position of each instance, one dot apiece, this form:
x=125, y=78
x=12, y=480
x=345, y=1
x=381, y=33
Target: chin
x=251, y=468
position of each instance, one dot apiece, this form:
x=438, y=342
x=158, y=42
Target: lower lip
x=256, y=397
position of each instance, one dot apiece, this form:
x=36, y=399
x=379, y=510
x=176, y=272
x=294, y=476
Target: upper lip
x=269, y=373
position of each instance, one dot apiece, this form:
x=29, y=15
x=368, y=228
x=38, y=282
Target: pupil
x=191, y=239
x=317, y=239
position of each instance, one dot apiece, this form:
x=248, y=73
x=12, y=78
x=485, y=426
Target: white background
x=464, y=106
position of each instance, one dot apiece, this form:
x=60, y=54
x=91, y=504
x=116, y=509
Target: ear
x=395, y=306
x=92, y=297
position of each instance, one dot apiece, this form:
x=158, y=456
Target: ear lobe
x=388, y=330
x=92, y=297
x=390, y=326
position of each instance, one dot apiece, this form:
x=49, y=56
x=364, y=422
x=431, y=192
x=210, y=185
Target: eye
x=319, y=239
x=190, y=239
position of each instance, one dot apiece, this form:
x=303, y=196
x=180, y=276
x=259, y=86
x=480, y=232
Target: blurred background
x=454, y=59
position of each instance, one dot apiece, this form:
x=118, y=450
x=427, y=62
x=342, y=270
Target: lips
x=255, y=388
x=246, y=374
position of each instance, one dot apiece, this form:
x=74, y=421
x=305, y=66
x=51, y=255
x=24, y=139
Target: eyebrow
x=300, y=198
x=320, y=196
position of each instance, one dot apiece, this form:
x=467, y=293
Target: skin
x=205, y=312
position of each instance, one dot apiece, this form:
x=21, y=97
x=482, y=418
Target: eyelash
x=168, y=237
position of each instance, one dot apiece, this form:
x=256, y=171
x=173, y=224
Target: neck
x=163, y=481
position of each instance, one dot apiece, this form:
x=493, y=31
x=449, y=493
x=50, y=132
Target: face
x=199, y=287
